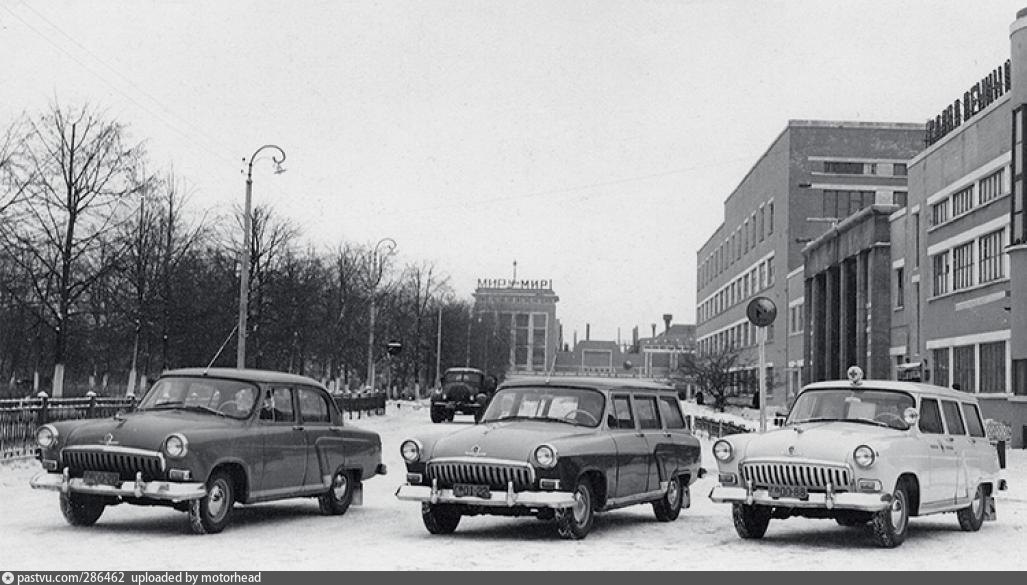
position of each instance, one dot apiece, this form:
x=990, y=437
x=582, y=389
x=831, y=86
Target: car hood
x=824, y=441
x=143, y=430
x=514, y=440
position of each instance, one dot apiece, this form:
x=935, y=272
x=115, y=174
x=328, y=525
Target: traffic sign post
x=761, y=312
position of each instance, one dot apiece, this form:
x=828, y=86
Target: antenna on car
x=220, y=349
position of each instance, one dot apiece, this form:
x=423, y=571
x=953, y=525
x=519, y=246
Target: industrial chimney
x=588, y=331
x=666, y=321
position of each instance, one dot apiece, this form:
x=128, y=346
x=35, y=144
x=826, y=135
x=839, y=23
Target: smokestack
x=575, y=338
x=618, y=336
x=588, y=331
x=666, y=321
x=634, y=336
x=654, y=330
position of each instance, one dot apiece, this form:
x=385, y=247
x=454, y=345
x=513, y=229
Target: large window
x=843, y=168
x=941, y=273
x=962, y=201
x=963, y=376
x=900, y=291
x=940, y=212
x=990, y=247
x=993, y=367
x=963, y=266
x=941, y=366
x=899, y=170
x=990, y=187
x=1016, y=214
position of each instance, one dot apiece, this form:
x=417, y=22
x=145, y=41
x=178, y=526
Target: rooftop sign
x=519, y=284
x=981, y=95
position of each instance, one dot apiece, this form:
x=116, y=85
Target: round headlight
x=545, y=455
x=410, y=450
x=863, y=456
x=176, y=446
x=723, y=451
x=46, y=436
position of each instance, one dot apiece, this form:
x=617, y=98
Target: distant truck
x=464, y=390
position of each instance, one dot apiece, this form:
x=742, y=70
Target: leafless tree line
x=106, y=271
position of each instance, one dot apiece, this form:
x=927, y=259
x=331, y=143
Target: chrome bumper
x=829, y=501
x=498, y=499
x=156, y=490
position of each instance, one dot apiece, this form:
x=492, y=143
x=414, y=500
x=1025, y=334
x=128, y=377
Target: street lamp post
x=244, y=269
x=375, y=277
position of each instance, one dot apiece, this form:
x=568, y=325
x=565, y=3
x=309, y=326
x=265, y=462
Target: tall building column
x=830, y=347
x=860, y=330
x=807, y=328
x=846, y=318
x=1018, y=251
x=818, y=329
x=879, y=336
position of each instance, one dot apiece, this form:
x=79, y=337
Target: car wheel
x=438, y=415
x=440, y=518
x=576, y=522
x=81, y=509
x=668, y=507
x=972, y=516
x=210, y=514
x=890, y=525
x=337, y=499
x=750, y=521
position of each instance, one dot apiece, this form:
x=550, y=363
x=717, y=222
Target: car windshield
x=229, y=398
x=576, y=406
x=470, y=377
x=877, y=407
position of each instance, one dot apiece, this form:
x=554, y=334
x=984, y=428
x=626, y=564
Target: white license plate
x=463, y=490
x=788, y=491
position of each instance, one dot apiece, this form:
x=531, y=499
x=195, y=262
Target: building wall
x=533, y=307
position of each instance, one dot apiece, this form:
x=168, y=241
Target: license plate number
x=463, y=490
x=787, y=491
x=101, y=478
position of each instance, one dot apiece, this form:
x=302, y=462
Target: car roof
x=247, y=375
x=597, y=383
x=911, y=387
x=475, y=370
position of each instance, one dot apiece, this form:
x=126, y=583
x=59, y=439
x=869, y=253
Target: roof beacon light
x=855, y=374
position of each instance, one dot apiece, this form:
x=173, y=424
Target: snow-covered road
x=388, y=534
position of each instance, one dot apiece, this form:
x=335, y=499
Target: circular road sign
x=761, y=311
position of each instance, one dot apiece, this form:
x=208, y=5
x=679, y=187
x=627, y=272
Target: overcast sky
x=594, y=142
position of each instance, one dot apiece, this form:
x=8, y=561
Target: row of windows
x=738, y=290
x=931, y=418
x=740, y=336
x=797, y=318
x=964, y=266
x=961, y=367
x=964, y=200
x=757, y=227
x=865, y=168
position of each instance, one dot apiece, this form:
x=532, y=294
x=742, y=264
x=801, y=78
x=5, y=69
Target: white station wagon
x=864, y=452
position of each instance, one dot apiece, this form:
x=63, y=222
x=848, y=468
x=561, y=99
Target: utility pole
x=438, y=351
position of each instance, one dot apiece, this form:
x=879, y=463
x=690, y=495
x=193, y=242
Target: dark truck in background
x=464, y=390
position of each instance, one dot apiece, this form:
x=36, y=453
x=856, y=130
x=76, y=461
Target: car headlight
x=176, y=446
x=46, y=436
x=546, y=456
x=723, y=451
x=410, y=450
x=863, y=456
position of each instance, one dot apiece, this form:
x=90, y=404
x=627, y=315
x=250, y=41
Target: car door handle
x=297, y=428
x=950, y=439
x=639, y=434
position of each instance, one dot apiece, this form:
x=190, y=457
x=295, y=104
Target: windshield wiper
x=202, y=408
x=183, y=406
x=869, y=422
x=167, y=404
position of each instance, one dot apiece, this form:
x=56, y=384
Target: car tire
x=668, y=507
x=972, y=517
x=81, y=509
x=750, y=521
x=438, y=415
x=576, y=522
x=211, y=513
x=338, y=498
x=440, y=518
x=891, y=524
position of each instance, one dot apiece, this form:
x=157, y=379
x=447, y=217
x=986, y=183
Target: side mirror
x=911, y=416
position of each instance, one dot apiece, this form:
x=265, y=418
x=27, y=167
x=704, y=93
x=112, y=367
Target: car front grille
x=812, y=476
x=125, y=462
x=495, y=474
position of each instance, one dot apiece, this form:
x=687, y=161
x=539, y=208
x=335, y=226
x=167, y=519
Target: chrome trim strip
x=638, y=498
x=156, y=490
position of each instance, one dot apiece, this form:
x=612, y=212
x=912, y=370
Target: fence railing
x=714, y=428
x=20, y=417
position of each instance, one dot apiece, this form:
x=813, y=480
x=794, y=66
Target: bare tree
x=77, y=175
x=713, y=372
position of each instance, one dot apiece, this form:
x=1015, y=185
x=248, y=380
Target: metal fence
x=19, y=418
x=714, y=428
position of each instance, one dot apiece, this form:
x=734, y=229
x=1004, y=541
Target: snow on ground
x=388, y=534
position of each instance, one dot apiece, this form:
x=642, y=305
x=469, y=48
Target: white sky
x=594, y=142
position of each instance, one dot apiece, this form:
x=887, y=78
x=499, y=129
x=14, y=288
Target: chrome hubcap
x=672, y=493
x=217, y=502
x=977, y=504
x=581, y=505
x=340, y=486
x=898, y=514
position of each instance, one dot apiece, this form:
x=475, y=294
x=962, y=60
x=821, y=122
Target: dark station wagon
x=203, y=439
x=558, y=448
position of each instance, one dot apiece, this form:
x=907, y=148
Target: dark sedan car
x=202, y=440
x=559, y=448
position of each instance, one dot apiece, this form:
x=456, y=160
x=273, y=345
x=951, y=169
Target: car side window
x=953, y=420
x=670, y=411
x=622, y=413
x=313, y=407
x=973, y=420
x=647, y=415
x=277, y=407
x=930, y=417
